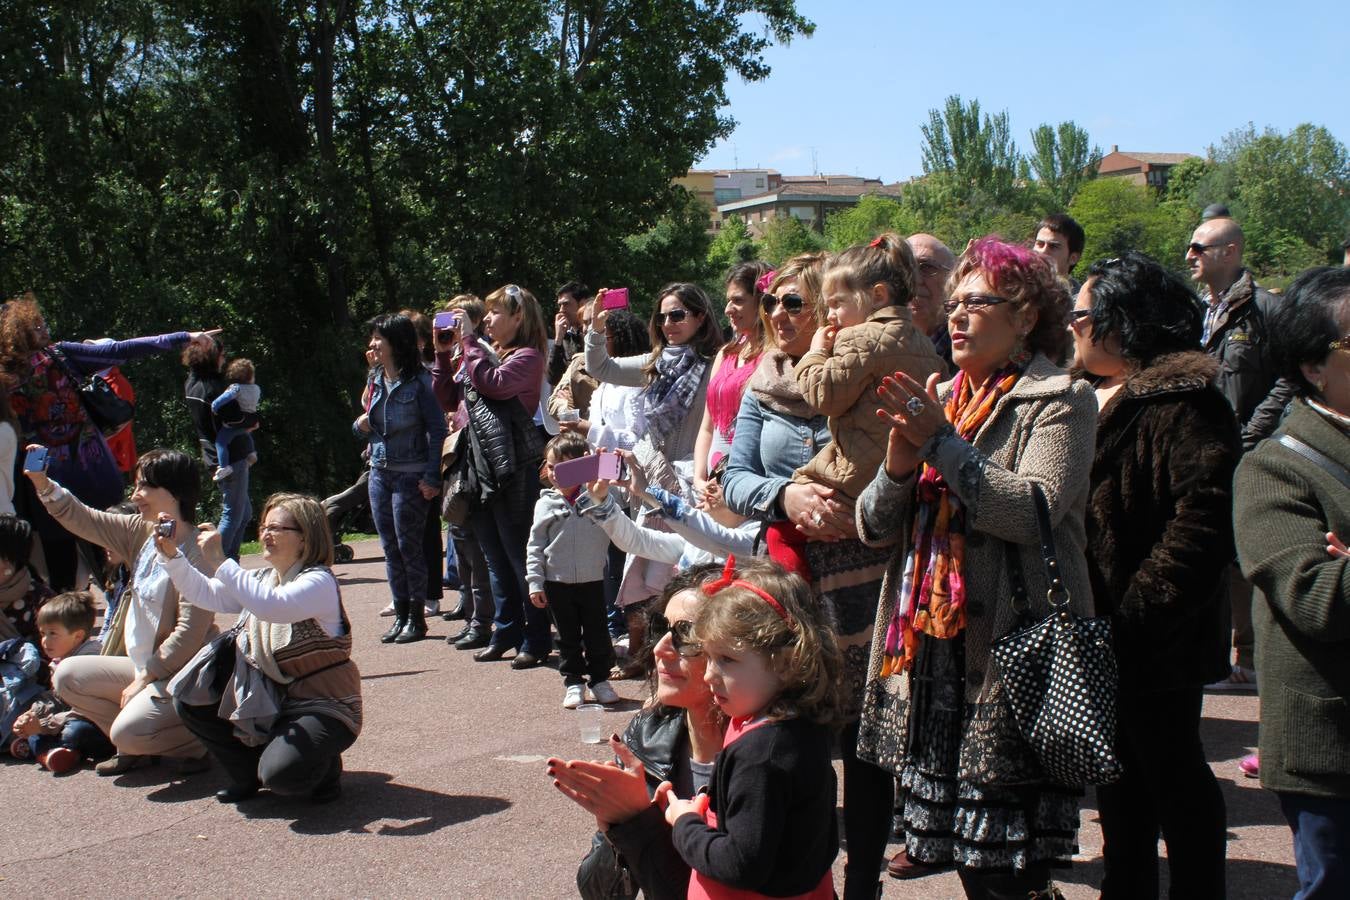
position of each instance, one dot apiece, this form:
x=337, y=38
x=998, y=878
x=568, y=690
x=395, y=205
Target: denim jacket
x=769, y=447
x=407, y=427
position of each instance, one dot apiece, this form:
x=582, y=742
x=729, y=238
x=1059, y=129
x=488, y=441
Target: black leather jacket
x=503, y=440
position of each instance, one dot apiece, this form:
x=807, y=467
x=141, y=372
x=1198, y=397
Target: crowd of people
x=811, y=528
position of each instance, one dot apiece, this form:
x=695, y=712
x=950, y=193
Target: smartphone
x=615, y=298
x=446, y=321
x=606, y=464
x=166, y=528
x=36, y=460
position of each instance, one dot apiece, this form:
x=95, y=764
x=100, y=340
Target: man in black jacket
x=567, y=337
x=1236, y=333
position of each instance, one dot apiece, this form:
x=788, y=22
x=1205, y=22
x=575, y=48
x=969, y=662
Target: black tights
x=869, y=793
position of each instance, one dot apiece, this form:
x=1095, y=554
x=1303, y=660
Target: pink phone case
x=610, y=465
x=615, y=298
x=578, y=471
x=444, y=321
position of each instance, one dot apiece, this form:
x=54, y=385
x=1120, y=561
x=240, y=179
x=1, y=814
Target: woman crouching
x=277, y=699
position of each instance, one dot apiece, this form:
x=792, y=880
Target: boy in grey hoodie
x=565, y=570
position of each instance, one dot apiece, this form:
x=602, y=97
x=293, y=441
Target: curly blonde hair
x=803, y=652
x=20, y=335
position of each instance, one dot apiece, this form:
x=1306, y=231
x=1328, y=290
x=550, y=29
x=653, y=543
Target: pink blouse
x=724, y=401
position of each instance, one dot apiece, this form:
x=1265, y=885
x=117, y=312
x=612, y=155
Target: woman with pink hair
x=956, y=498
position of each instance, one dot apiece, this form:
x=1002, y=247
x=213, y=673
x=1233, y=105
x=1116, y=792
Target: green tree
x=1062, y=158
x=873, y=215
x=786, y=237
x=975, y=153
x=733, y=244
x=1119, y=216
x=675, y=249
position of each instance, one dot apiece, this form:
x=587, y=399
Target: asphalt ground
x=445, y=795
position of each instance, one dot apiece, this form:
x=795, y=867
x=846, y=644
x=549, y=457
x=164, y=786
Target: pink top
x=725, y=388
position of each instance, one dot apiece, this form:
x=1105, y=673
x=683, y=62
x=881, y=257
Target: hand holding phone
x=35, y=460
x=166, y=528
x=445, y=325
x=603, y=466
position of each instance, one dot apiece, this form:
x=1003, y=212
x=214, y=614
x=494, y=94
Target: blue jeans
x=475, y=582
x=1321, y=827
x=223, y=438
x=451, y=577
x=502, y=527
x=80, y=735
x=235, y=509
x=400, y=513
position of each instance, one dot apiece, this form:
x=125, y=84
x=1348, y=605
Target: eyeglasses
x=273, y=529
x=1078, y=315
x=973, y=303
x=1341, y=343
x=793, y=304
x=928, y=269
x=675, y=316
x=1197, y=247
x=681, y=635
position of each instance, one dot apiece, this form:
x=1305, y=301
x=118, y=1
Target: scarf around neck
x=774, y=385
x=932, y=596
x=672, y=391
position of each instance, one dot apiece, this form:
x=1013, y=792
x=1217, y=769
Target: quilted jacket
x=842, y=385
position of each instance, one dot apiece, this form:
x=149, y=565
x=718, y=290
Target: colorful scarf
x=672, y=391
x=932, y=595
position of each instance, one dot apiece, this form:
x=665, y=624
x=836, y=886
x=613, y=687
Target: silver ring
x=914, y=406
x=817, y=519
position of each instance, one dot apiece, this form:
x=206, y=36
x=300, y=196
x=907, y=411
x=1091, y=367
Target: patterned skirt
x=847, y=583
x=946, y=819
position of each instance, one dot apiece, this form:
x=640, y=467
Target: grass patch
x=248, y=548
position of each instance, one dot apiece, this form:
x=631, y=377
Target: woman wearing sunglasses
x=674, y=738
x=674, y=380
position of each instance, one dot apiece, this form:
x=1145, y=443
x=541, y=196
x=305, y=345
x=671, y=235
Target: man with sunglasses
x=1236, y=334
x=936, y=262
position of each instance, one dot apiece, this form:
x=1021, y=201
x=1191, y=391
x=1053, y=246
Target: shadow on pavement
x=1248, y=879
x=347, y=580
x=394, y=674
x=372, y=803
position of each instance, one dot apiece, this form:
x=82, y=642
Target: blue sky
x=1163, y=77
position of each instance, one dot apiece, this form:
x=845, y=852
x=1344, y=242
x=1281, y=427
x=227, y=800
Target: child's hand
x=26, y=725
x=712, y=499
x=823, y=339
x=598, y=489
x=675, y=807
x=538, y=599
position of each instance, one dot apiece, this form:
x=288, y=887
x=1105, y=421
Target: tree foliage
x=733, y=244
x=786, y=237
x=873, y=215
x=1062, y=158
x=285, y=170
x=1118, y=216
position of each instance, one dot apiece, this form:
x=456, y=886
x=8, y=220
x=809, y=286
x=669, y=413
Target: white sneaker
x=433, y=607
x=388, y=610
x=574, y=696
x=223, y=472
x=603, y=692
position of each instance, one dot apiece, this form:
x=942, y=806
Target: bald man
x=1237, y=313
x=936, y=262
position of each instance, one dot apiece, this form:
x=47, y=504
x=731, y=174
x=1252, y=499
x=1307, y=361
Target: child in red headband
x=768, y=827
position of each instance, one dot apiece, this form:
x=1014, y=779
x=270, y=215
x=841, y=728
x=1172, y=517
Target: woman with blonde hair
x=289, y=653
x=500, y=388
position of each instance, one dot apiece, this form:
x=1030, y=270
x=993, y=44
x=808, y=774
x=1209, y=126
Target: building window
x=759, y=182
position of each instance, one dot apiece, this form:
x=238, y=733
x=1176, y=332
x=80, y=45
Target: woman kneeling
x=277, y=699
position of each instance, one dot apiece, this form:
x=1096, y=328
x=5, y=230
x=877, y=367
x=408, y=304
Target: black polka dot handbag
x=1060, y=677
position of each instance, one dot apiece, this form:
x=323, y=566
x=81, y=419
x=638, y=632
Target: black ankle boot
x=402, y=613
x=415, y=628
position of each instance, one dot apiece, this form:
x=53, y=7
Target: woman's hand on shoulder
x=610, y=793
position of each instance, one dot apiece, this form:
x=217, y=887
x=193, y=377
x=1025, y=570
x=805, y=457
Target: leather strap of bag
x=1317, y=458
x=1056, y=593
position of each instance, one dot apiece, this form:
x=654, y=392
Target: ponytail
x=886, y=260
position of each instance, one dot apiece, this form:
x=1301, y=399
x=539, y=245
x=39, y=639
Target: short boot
x=402, y=613
x=415, y=628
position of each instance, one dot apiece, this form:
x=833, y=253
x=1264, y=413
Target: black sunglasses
x=972, y=303
x=1076, y=315
x=1198, y=247
x=675, y=316
x=793, y=304
x=681, y=635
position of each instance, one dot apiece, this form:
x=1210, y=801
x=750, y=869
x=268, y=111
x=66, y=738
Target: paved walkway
x=445, y=796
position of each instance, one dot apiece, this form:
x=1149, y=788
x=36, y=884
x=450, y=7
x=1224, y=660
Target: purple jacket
x=520, y=376
x=86, y=358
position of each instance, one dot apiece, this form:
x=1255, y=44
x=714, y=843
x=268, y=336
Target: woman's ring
x=817, y=519
x=914, y=406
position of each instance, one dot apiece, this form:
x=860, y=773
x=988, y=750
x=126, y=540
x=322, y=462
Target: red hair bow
x=729, y=579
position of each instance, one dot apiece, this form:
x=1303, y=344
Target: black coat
x=1159, y=523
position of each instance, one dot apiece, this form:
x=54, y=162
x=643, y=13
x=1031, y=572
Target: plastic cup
x=569, y=415
x=591, y=720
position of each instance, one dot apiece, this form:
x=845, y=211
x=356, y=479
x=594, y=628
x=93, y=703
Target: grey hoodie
x=564, y=545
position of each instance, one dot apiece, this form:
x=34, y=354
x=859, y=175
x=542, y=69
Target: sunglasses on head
x=681, y=634
x=675, y=316
x=793, y=303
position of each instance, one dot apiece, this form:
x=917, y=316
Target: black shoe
x=459, y=612
x=236, y=793
x=461, y=634
x=416, y=627
x=527, y=661
x=473, y=640
x=402, y=613
x=491, y=653
x=330, y=788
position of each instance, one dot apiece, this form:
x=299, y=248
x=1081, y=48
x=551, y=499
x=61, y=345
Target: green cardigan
x=1283, y=507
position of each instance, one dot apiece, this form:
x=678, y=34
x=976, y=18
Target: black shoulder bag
x=1060, y=677
x=109, y=412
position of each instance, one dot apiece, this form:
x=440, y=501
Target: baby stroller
x=349, y=511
